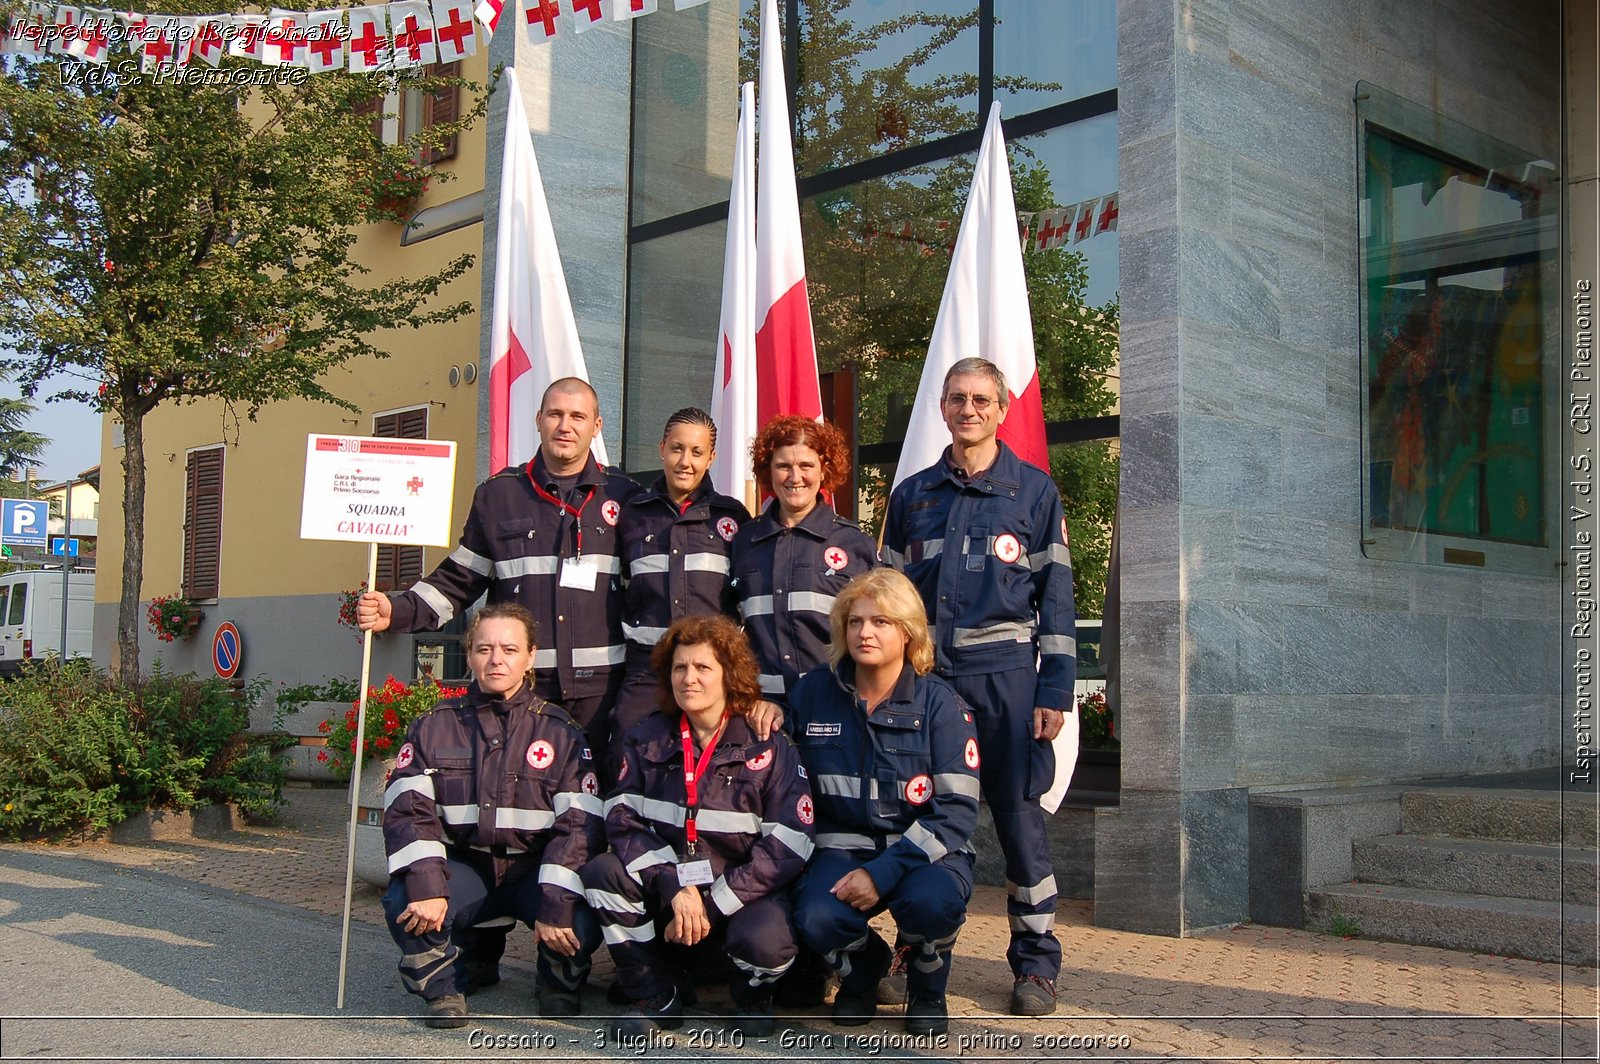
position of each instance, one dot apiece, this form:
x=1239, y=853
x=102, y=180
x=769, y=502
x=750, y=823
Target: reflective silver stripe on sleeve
x=616, y=934
x=727, y=822
x=436, y=601
x=559, y=876
x=423, y=785
x=931, y=548
x=1058, y=644
x=663, y=855
x=770, y=685
x=705, y=563
x=723, y=897
x=893, y=558
x=1038, y=923
x=650, y=563
x=523, y=819
x=598, y=657
x=536, y=565
x=544, y=659
x=413, y=852
x=458, y=814
x=649, y=808
x=1058, y=554
x=1043, y=890
x=642, y=635
x=612, y=902
x=956, y=783
x=844, y=840
x=795, y=840
x=919, y=836
x=838, y=786
x=490, y=849
x=589, y=803
x=810, y=600
x=1004, y=632
x=471, y=559
x=756, y=606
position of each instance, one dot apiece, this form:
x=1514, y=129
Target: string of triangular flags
x=380, y=37
x=1049, y=230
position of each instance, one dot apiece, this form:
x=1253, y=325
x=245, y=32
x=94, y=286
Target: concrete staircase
x=1509, y=872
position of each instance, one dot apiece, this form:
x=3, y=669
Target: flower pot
x=372, y=866
x=1099, y=771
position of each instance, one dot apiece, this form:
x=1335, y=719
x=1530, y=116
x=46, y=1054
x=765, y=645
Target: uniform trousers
x=1015, y=770
x=430, y=962
x=759, y=938
x=929, y=905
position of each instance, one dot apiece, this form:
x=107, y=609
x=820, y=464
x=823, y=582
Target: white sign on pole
x=365, y=489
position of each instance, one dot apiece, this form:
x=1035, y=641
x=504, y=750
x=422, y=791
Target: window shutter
x=400, y=567
x=202, y=524
x=442, y=107
x=373, y=107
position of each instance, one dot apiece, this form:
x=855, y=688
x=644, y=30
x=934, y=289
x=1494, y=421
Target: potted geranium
x=347, y=608
x=173, y=617
x=390, y=711
x=1099, y=768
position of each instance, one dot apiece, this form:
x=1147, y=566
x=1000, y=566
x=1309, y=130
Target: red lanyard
x=564, y=507
x=692, y=772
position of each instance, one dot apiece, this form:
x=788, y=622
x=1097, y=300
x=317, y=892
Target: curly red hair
x=741, y=683
x=789, y=430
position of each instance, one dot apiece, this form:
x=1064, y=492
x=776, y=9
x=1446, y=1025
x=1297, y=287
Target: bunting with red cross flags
x=211, y=42
x=248, y=33
x=1108, y=215
x=541, y=17
x=368, y=43
x=284, y=43
x=587, y=14
x=66, y=27
x=90, y=43
x=324, y=41
x=622, y=10
x=453, y=30
x=411, y=22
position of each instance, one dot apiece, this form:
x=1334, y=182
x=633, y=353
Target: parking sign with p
x=24, y=522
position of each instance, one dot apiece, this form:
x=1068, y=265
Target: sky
x=72, y=428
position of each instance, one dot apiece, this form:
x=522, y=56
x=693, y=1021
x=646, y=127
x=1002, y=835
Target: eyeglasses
x=980, y=403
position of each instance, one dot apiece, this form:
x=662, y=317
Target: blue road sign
x=227, y=650
x=65, y=547
x=24, y=522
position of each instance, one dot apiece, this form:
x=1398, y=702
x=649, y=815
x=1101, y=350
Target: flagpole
x=355, y=779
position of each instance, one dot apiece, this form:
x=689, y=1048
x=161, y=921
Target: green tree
x=19, y=448
x=165, y=242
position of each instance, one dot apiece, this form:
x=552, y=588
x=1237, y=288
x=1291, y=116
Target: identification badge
x=579, y=573
x=694, y=873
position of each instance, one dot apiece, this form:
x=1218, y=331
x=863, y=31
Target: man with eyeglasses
x=982, y=535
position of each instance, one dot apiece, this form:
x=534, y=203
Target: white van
x=30, y=617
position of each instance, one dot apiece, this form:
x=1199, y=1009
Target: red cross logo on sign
x=414, y=485
x=760, y=761
x=970, y=754
x=590, y=784
x=919, y=789
x=804, y=810
x=611, y=511
x=403, y=758
x=1006, y=548
x=726, y=528
x=540, y=754
x=836, y=558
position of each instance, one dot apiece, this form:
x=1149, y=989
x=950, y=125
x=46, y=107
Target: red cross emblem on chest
x=541, y=754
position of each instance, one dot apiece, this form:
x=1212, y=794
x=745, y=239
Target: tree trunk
x=127, y=663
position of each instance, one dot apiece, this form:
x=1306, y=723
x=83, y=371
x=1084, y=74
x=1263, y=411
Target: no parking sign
x=227, y=650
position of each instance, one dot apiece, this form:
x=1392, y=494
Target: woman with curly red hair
x=708, y=825
x=790, y=562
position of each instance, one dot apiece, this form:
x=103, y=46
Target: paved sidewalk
x=1250, y=992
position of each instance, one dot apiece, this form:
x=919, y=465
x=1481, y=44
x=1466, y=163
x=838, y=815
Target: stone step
x=1508, y=815
x=1510, y=927
x=1478, y=866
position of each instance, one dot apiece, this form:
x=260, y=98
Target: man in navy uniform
x=982, y=535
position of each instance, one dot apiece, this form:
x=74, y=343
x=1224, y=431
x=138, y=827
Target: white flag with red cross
x=453, y=30
x=412, y=24
x=249, y=31
x=786, y=351
x=26, y=33
x=1108, y=216
x=166, y=45
x=92, y=41
x=543, y=20
x=587, y=14
x=66, y=24
x=1083, y=228
x=211, y=39
x=984, y=312
x=623, y=10
x=733, y=382
x=368, y=44
x=324, y=41
x=284, y=44
x=533, y=335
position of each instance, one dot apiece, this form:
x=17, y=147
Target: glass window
x=1073, y=168
x=19, y=603
x=1459, y=249
x=880, y=75
x=685, y=107
x=674, y=309
x=1045, y=54
x=4, y=592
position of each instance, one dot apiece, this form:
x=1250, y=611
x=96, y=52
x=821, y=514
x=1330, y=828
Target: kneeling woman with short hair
x=708, y=828
x=893, y=758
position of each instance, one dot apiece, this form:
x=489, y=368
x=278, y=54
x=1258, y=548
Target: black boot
x=856, y=1002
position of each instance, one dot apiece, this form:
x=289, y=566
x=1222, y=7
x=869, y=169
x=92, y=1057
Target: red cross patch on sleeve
x=970, y=754
x=403, y=758
x=919, y=789
x=804, y=810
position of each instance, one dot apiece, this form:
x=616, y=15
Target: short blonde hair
x=897, y=600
